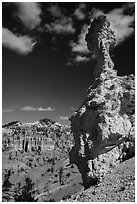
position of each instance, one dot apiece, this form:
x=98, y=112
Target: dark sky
x=46, y=67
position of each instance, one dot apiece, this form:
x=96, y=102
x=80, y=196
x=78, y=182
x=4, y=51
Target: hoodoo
x=103, y=127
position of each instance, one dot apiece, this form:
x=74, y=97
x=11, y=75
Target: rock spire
x=100, y=39
x=103, y=127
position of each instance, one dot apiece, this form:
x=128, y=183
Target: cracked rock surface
x=103, y=127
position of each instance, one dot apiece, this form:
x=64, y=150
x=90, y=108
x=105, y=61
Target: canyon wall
x=37, y=137
x=103, y=127
x=27, y=143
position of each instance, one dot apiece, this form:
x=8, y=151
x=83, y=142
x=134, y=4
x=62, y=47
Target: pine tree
x=25, y=193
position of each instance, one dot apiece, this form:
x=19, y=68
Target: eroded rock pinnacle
x=103, y=127
x=100, y=39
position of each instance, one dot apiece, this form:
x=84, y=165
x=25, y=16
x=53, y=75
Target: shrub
x=6, y=184
x=25, y=193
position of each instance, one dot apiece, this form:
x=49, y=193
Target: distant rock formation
x=28, y=143
x=103, y=127
x=39, y=136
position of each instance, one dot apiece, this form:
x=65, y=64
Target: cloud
x=31, y=108
x=55, y=10
x=46, y=109
x=78, y=59
x=28, y=108
x=79, y=12
x=64, y=118
x=79, y=48
x=121, y=24
x=20, y=44
x=81, y=45
x=29, y=13
x=120, y=20
x=129, y=8
x=81, y=59
x=62, y=24
x=7, y=110
x=95, y=12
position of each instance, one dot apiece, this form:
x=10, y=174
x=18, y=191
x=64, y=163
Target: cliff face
x=103, y=127
x=35, y=137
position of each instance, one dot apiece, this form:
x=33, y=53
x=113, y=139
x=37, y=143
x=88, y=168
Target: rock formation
x=103, y=127
x=39, y=136
x=27, y=143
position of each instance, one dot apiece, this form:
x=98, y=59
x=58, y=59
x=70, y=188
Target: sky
x=46, y=66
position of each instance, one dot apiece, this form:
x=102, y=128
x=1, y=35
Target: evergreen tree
x=25, y=193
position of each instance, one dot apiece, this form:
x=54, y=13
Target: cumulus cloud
x=64, y=118
x=79, y=12
x=79, y=48
x=20, y=44
x=60, y=26
x=7, y=110
x=121, y=21
x=121, y=24
x=31, y=108
x=81, y=45
x=29, y=13
x=81, y=59
x=61, y=23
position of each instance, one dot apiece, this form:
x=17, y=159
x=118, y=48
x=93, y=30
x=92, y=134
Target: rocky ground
x=118, y=186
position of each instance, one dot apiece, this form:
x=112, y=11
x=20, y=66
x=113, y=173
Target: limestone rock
x=103, y=127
